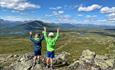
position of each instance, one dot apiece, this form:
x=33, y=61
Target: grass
x=14, y=45
x=72, y=42
x=94, y=42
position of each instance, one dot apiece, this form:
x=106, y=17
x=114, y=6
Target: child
x=37, y=41
x=51, y=42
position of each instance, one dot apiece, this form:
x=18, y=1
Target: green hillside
x=72, y=42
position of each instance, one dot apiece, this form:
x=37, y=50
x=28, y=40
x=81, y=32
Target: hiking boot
x=51, y=67
x=34, y=64
x=47, y=66
x=38, y=62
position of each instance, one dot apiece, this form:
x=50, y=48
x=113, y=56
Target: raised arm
x=45, y=33
x=57, y=35
x=42, y=38
x=31, y=38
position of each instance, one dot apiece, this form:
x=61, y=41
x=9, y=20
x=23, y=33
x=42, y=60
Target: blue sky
x=60, y=11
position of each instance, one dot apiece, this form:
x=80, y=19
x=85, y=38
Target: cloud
x=59, y=7
x=18, y=18
x=108, y=10
x=70, y=7
x=48, y=15
x=79, y=15
x=61, y=17
x=112, y=15
x=19, y=5
x=57, y=13
x=112, y=20
x=89, y=8
x=91, y=16
x=13, y=18
x=60, y=12
x=55, y=8
x=65, y=18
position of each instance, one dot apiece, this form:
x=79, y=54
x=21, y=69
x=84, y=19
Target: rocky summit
x=88, y=61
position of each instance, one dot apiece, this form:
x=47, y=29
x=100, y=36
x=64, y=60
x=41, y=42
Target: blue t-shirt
x=37, y=42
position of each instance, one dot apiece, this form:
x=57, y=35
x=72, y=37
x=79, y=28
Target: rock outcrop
x=88, y=61
x=25, y=62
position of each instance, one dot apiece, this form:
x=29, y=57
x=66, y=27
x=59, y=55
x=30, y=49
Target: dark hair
x=39, y=35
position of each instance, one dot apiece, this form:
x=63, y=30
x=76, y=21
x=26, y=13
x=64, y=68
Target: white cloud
x=55, y=8
x=108, y=10
x=70, y=7
x=60, y=12
x=80, y=15
x=18, y=18
x=62, y=18
x=55, y=13
x=19, y=5
x=91, y=16
x=59, y=7
x=112, y=15
x=13, y=18
x=47, y=15
x=89, y=8
x=112, y=20
x=76, y=6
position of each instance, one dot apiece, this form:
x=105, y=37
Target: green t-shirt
x=51, y=42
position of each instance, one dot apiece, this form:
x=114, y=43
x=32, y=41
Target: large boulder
x=74, y=65
x=87, y=61
x=23, y=63
x=87, y=56
x=104, y=62
x=62, y=58
x=37, y=67
x=90, y=61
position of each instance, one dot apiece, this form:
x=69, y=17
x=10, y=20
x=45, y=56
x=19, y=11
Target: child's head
x=37, y=35
x=51, y=34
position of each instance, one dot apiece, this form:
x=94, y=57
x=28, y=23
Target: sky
x=60, y=11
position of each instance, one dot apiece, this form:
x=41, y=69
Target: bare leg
x=48, y=61
x=34, y=59
x=41, y=58
x=51, y=61
x=38, y=57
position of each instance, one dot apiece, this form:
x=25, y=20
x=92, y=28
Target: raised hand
x=58, y=29
x=44, y=28
x=30, y=33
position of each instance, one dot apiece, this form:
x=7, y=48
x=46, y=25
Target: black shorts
x=37, y=53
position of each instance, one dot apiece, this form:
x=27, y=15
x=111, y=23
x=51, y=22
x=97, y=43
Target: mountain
x=35, y=25
x=7, y=23
x=21, y=27
x=84, y=26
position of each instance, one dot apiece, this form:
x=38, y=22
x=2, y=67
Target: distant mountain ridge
x=11, y=27
x=23, y=27
x=35, y=25
x=7, y=23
